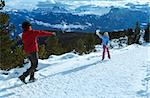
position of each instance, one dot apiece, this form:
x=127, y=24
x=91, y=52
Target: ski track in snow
x=126, y=75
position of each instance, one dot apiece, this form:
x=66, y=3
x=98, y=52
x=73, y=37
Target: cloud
x=22, y=4
x=61, y=25
x=73, y=4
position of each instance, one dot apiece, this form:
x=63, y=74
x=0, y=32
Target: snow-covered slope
x=126, y=75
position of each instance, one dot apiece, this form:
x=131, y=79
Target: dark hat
x=26, y=24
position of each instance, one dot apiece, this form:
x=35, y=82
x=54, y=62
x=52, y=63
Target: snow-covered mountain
x=126, y=75
x=79, y=15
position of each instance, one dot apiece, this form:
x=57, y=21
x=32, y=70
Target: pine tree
x=90, y=41
x=137, y=33
x=19, y=56
x=5, y=43
x=80, y=46
x=42, y=52
x=10, y=55
x=2, y=4
x=85, y=44
x=133, y=37
x=147, y=33
x=53, y=46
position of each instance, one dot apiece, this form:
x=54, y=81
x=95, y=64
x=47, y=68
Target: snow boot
x=32, y=79
x=22, y=78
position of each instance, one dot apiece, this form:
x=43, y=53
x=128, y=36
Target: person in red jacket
x=29, y=38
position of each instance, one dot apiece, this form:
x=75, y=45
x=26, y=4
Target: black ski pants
x=33, y=57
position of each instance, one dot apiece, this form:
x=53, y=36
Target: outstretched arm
x=98, y=34
x=43, y=33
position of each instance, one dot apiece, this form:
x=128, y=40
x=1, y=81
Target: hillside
x=126, y=75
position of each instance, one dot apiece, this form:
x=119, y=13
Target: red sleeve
x=42, y=33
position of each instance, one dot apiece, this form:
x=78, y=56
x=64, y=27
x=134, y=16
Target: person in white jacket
x=105, y=41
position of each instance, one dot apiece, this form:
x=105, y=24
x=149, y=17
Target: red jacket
x=29, y=39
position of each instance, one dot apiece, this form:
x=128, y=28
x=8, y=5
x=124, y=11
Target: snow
x=63, y=25
x=96, y=7
x=121, y=42
x=126, y=75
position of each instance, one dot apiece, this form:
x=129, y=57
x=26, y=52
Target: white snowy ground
x=126, y=75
